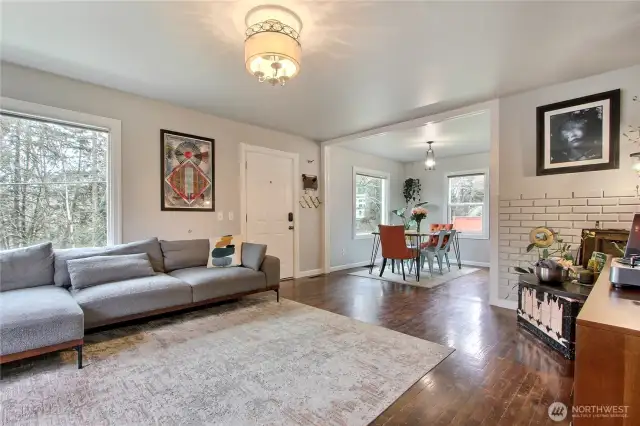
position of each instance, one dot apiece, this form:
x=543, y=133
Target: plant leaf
x=520, y=270
x=545, y=253
x=531, y=270
x=530, y=247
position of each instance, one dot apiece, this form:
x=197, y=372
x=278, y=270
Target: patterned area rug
x=251, y=362
x=426, y=280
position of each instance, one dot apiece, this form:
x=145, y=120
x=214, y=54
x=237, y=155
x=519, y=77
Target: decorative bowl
x=547, y=275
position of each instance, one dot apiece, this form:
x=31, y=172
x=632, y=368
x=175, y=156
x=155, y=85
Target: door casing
x=244, y=149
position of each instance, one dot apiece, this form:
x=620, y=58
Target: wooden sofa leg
x=79, y=350
x=278, y=295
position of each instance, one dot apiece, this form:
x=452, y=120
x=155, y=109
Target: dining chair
x=447, y=247
x=434, y=251
x=394, y=246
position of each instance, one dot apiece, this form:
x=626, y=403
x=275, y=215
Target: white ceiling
x=457, y=136
x=365, y=64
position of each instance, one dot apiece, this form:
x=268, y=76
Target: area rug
x=426, y=279
x=251, y=362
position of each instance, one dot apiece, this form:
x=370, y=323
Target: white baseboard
x=309, y=273
x=474, y=263
x=350, y=265
x=504, y=303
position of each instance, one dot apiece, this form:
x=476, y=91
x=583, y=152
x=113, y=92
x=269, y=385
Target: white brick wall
x=566, y=212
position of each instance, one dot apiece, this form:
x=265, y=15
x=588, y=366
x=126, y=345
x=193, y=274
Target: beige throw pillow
x=225, y=251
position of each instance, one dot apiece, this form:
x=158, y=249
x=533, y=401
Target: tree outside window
x=466, y=203
x=53, y=183
x=369, y=203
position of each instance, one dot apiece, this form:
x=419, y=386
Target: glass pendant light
x=430, y=158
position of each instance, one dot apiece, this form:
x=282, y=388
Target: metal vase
x=547, y=275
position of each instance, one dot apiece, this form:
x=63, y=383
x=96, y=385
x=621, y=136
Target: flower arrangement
x=418, y=214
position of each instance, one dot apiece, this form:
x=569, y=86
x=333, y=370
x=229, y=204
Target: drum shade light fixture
x=272, y=46
x=430, y=158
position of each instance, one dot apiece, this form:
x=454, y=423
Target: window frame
x=485, y=204
x=386, y=192
x=114, y=164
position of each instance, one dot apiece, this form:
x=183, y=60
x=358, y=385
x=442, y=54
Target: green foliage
x=53, y=184
x=411, y=190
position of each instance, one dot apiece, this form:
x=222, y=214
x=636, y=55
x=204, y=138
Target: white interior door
x=269, y=192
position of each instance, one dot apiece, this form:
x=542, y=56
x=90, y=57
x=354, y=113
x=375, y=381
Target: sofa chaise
x=48, y=298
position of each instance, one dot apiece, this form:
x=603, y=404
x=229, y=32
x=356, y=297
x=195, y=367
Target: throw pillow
x=253, y=255
x=92, y=271
x=225, y=251
x=26, y=267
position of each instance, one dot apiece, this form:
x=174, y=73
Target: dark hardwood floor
x=498, y=375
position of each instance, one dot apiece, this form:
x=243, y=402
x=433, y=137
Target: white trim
x=310, y=273
x=386, y=195
x=295, y=187
x=349, y=266
x=474, y=263
x=325, y=154
x=504, y=303
x=114, y=161
x=486, y=210
x=494, y=201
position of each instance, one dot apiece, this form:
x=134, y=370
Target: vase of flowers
x=418, y=214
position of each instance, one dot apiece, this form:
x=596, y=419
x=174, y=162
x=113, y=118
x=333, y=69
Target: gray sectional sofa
x=48, y=297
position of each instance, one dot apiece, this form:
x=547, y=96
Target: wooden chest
x=549, y=312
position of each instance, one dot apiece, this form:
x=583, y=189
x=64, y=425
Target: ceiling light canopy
x=272, y=45
x=430, y=158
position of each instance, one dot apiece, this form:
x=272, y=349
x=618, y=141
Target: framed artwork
x=579, y=135
x=187, y=172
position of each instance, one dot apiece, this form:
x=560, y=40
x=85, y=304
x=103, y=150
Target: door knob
x=290, y=227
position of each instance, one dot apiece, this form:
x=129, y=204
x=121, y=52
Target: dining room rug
x=255, y=361
x=426, y=280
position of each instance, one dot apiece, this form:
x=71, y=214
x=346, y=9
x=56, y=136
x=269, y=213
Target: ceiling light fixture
x=272, y=46
x=430, y=158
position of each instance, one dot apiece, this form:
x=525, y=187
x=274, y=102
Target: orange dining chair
x=394, y=246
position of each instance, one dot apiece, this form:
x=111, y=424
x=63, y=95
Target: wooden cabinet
x=607, y=367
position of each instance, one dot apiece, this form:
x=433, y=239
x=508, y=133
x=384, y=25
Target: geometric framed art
x=188, y=172
x=579, y=135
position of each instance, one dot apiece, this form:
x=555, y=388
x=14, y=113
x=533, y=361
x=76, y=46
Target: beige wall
x=472, y=251
x=567, y=202
x=142, y=120
x=345, y=249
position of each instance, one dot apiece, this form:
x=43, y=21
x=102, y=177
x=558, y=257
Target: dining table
x=419, y=238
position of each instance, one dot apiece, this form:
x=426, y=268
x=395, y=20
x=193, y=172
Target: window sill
x=363, y=237
x=472, y=236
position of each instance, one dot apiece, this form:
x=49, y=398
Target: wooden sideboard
x=607, y=366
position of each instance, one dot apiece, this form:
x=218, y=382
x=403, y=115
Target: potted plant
x=552, y=266
x=411, y=191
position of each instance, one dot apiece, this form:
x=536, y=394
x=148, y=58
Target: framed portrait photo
x=187, y=173
x=579, y=135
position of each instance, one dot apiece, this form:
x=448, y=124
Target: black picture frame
x=163, y=159
x=609, y=142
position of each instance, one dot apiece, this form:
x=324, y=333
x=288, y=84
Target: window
x=55, y=182
x=370, y=201
x=467, y=204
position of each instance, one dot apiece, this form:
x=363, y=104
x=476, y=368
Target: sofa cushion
x=150, y=246
x=26, y=267
x=97, y=270
x=210, y=283
x=105, y=303
x=253, y=255
x=36, y=317
x=184, y=253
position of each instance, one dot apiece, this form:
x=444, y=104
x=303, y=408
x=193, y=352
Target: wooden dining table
x=419, y=238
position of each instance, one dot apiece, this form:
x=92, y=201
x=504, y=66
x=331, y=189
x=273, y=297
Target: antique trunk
x=549, y=312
